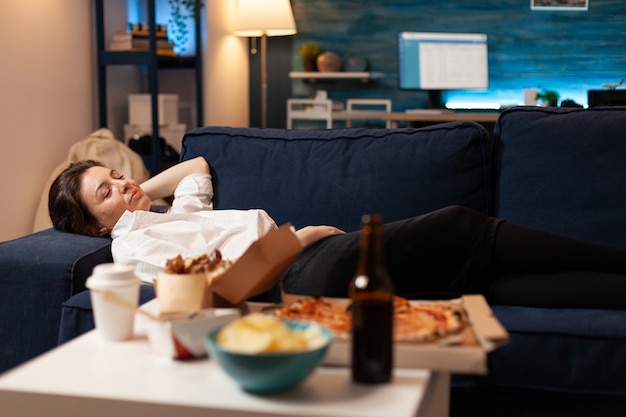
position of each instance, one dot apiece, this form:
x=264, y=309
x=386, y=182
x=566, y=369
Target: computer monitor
x=436, y=62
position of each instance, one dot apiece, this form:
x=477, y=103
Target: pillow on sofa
x=563, y=170
x=335, y=176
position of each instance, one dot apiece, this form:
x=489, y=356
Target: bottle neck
x=371, y=251
x=371, y=275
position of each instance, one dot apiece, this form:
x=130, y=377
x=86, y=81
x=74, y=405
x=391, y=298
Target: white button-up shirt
x=190, y=228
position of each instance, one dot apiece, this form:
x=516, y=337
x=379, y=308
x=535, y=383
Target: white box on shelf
x=173, y=134
x=140, y=109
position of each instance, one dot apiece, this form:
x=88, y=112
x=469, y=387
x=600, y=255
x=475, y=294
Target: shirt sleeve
x=194, y=193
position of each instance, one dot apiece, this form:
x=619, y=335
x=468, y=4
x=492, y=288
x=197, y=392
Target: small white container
x=140, y=109
x=530, y=96
x=114, y=321
x=182, y=337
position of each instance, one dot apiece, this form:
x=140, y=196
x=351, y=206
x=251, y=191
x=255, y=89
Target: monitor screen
x=442, y=61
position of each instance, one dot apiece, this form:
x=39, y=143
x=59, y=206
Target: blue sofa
x=555, y=169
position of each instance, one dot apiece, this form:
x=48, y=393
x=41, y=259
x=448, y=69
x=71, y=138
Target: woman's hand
x=310, y=234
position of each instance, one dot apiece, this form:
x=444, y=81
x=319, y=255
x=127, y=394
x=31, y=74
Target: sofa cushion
x=335, y=176
x=563, y=170
x=553, y=353
x=568, y=350
x=38, y=273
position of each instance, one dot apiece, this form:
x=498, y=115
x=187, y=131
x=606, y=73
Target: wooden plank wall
x=567, y=51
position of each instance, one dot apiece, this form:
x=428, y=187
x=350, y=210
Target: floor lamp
x=263, y=18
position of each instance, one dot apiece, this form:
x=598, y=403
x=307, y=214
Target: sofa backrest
x=563, y=170
x=335, y=176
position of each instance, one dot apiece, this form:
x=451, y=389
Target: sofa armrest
x=38, y=273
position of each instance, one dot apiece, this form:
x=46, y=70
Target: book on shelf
x=160, y=52
x=139, y=34
x=146, y=33
x=135, y=41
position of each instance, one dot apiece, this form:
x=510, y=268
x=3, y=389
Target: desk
x=433, y=117
x=90, y=377
x=349, y=115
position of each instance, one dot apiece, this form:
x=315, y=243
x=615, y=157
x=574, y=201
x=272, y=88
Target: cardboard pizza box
x=466, y=354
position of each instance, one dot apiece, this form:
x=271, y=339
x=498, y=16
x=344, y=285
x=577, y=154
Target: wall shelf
x=313, y=76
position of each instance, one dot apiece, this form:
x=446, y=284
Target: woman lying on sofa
x=441, y=254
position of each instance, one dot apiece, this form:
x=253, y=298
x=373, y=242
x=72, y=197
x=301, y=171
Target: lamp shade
x=264, y=17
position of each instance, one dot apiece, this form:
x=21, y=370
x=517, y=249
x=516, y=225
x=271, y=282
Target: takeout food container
x=466, y=355
x=255, y=272
x=181, y=336
x=182, y=293
x=188, y=307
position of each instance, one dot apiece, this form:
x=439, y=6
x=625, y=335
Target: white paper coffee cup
x=113, y=320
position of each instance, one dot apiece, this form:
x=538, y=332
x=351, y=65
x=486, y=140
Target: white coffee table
x=90, y=377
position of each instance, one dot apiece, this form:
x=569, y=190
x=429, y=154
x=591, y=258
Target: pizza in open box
x=413, y=321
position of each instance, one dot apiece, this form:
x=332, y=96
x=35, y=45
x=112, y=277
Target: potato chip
x=242, y=338
x=260, y=333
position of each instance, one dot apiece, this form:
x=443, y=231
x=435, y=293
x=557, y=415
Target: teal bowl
x=268, y=372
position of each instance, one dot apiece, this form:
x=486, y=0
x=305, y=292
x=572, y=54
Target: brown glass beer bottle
x=371, y=293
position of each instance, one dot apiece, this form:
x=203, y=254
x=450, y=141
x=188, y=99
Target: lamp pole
x=264, y=80
x=264, y=18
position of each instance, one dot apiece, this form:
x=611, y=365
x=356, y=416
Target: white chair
x=322, y=109
x=374, y=107
x=309, y=109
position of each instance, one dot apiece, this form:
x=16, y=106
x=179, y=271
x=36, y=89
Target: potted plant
x=550, y=97
x=180, y=12
x=309, y=53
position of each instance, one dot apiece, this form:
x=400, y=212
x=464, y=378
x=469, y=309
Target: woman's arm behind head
x=163, y=184
x=70, y=213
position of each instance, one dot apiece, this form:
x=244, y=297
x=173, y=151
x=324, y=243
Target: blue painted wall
x=567, y=51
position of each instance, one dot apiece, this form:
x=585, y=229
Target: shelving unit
x=314, y=76
x=153, y=64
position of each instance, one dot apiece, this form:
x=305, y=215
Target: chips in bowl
x=264, y=354
x=260, y=333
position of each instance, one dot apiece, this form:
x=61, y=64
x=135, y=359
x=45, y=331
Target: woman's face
x=107, y=195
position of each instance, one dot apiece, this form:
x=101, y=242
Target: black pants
x=456, y=251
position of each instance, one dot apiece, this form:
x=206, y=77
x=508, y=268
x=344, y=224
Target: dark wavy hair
x=67, y=210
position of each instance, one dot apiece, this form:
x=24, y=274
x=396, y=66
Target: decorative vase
x=328, y=62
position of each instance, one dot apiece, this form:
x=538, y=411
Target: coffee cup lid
x=111, y=275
